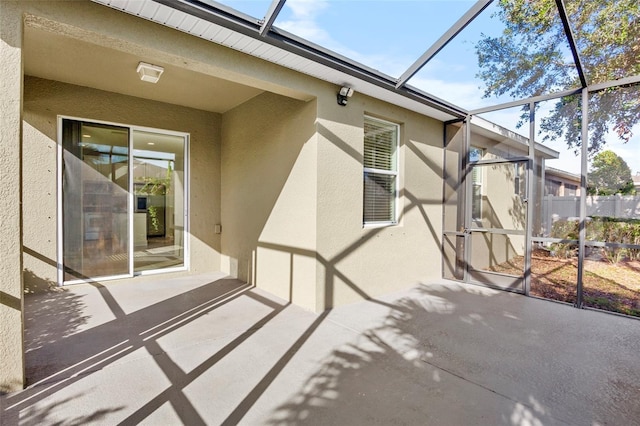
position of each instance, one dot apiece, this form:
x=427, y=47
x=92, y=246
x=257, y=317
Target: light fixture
x=148, y=72
x=344, y=93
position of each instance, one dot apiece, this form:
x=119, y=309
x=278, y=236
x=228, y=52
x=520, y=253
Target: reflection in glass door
x=158, y=179
x=123, y=200
x=95, y=181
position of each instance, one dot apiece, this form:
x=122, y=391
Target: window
x=380, y=171
x=520, y=171
x=552, y=187
x=476, y=154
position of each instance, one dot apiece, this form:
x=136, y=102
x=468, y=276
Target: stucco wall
x=11, y=298
x=355, y=262
x=292, y=200
x=44, y=100
x=269, y=196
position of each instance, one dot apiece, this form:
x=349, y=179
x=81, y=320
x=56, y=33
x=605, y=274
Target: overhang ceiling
x=56, y=57
x=225, y=27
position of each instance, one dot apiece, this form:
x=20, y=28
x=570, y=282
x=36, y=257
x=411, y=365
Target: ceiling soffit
x=230, y=28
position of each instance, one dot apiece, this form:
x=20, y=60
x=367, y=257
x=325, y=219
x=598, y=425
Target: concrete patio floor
x=210, y=350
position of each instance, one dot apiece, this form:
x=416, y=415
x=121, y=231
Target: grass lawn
x=607, y=286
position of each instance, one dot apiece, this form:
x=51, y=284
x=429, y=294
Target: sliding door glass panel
x=159, y=200
x=95, y=184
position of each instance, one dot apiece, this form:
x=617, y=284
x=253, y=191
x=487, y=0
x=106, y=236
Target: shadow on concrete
x=385, y=377
x=52, y=314
x=42, y=416
x=60, y=352
x=436, y=359
x=443, y=353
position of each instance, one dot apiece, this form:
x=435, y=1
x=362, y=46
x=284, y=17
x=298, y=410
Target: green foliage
x=566, y=230
x=153, y=215
x=532, y=57
x=610, y=175
x=156, y=186
x=602, y=229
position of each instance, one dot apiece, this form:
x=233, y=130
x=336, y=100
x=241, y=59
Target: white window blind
x=380, y=171
x=476, y=154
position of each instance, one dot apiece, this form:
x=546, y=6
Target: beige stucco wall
x=269, y=196
x=282, y=172
x=44, y=100
x=11, y=299
x=355, y=262
x=292, y=200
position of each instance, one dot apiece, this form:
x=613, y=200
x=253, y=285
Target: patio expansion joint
x=346, y=327
x=486, y=388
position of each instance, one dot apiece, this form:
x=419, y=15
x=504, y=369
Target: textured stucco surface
x=44, y=100
x=357, y=262
x=269, y=196
x=11, y=299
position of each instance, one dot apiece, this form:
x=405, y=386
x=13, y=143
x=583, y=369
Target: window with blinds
x=476, y=154
x=380, y=171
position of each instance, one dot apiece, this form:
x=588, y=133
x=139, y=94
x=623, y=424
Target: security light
x=344, y=93
x=148, y=72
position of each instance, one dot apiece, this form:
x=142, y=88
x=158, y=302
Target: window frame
x=477, y=181
x=396, y=173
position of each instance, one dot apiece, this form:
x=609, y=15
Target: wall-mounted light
x=344, y=93
x=148, y=72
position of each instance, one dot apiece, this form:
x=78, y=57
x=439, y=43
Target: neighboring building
x=636, y=182
x=560, y=183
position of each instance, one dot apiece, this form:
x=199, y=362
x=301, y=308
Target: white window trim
x=396, y=173
x=59, y=207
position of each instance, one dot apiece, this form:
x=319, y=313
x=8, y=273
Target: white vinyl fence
x=619, y=206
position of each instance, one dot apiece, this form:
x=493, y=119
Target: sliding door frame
x=130, y=200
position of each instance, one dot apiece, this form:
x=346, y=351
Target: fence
x=618, y=206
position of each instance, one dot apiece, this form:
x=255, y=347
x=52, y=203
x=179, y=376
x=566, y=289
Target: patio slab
x=211, y=350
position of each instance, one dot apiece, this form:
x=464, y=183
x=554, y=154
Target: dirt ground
x=607, y=286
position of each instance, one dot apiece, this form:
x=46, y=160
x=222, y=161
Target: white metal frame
x=59, y=207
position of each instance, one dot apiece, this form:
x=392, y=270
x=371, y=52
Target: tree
x=609, y=175
x=532, y=57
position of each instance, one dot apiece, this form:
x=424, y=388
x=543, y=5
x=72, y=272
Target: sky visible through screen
x=389, y=35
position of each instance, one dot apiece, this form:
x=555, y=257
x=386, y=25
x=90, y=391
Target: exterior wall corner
x=11, y=286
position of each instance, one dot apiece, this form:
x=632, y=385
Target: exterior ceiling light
x=148, y=72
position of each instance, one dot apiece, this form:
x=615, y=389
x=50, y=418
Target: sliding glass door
x=158, y=179
x=123, y=200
